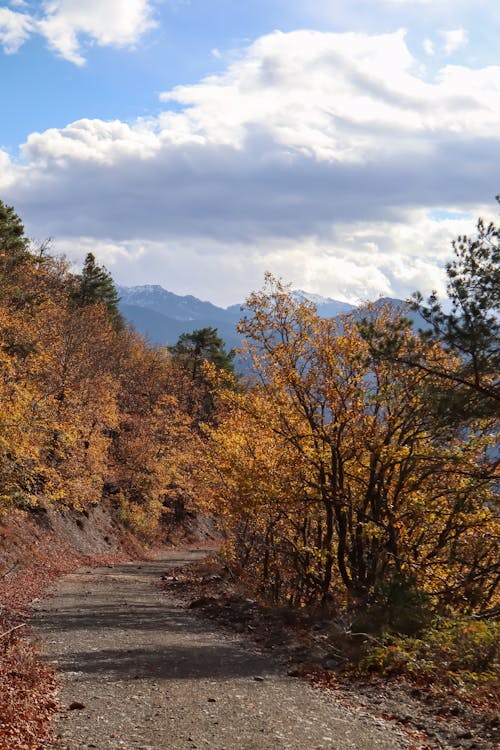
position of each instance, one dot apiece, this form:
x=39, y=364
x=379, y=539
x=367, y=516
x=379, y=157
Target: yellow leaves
x=85, y=407
x=335, y=455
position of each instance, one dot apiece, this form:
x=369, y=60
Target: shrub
x=463, y=652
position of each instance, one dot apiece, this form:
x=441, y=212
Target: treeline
x=88, y=409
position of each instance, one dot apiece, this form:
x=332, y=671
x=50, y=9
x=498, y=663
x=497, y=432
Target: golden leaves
x=332, y=468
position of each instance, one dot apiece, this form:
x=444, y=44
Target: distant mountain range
x=162, y=316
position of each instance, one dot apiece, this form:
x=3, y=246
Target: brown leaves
x=27, y=690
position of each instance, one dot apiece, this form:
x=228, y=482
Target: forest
x=355, y=467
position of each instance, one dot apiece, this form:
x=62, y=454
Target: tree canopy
x=332, y=476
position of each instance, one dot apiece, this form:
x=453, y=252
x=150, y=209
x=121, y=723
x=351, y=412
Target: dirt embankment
x=45, y=535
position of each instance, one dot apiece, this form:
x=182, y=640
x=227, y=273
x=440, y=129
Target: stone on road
x=138, y=671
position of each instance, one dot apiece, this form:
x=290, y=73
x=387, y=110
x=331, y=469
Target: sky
x=197, y=144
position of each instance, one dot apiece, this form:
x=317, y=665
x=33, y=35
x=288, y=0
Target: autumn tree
x=20, y=449
x=20, y=459
x=153, y=443
x=335, y=477
x=79, y=399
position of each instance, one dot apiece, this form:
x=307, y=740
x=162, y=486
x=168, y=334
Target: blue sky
x=341, y=145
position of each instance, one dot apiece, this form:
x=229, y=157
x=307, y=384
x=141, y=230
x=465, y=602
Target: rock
x=76, y=706
x=203, y=601
x=330, y=662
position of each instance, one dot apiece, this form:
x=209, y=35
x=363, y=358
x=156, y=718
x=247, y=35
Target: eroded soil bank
x=140, y=670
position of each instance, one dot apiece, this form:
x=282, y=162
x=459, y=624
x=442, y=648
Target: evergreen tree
x=190, y=353
x=472, y=327
x=95, y=286
x=202, y=345
x=14, y=253
x=13, y=243
x=467, y=326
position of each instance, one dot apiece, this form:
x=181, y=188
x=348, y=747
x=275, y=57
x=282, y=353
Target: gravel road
x=138, y=671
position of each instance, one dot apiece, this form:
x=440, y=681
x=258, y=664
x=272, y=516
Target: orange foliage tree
x=331, y=476
x=87, y=407
x=151, y=444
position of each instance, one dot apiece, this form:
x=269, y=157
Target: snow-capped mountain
x=162, y=315
x=175, y=306
x=326, y=306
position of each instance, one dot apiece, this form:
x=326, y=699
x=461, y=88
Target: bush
x=140, y=518
x=463, y=652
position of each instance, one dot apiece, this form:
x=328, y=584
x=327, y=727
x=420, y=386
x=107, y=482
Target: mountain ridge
x=162, y=316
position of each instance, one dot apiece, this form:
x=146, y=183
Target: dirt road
x=140, y=672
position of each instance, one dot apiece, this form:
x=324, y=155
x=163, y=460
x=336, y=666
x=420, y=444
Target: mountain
x=174, y=306
x=416, y=319
x=162, y=316
x=326, y=306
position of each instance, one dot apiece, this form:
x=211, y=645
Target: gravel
x=140, y=671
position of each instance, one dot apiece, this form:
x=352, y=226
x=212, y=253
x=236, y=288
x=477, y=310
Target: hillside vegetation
x=88, y=408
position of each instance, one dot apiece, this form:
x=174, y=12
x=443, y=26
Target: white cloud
x=453, y=40
x=428, y=46
x=8, y=172
x=318, y=156
x=360, y=262
x=68, y=25
x=15, y=29
x=90, y=141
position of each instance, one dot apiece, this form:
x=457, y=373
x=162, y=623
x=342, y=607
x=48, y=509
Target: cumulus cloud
x=8, y=172
x=68, y=24
x=360, y=262
x=319, y=156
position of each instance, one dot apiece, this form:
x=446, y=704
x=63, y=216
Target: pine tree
x=202, y=345
x=13, y=243
x=471, y=328
x=14, y=254
x=192, y=353
x=95, y=286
